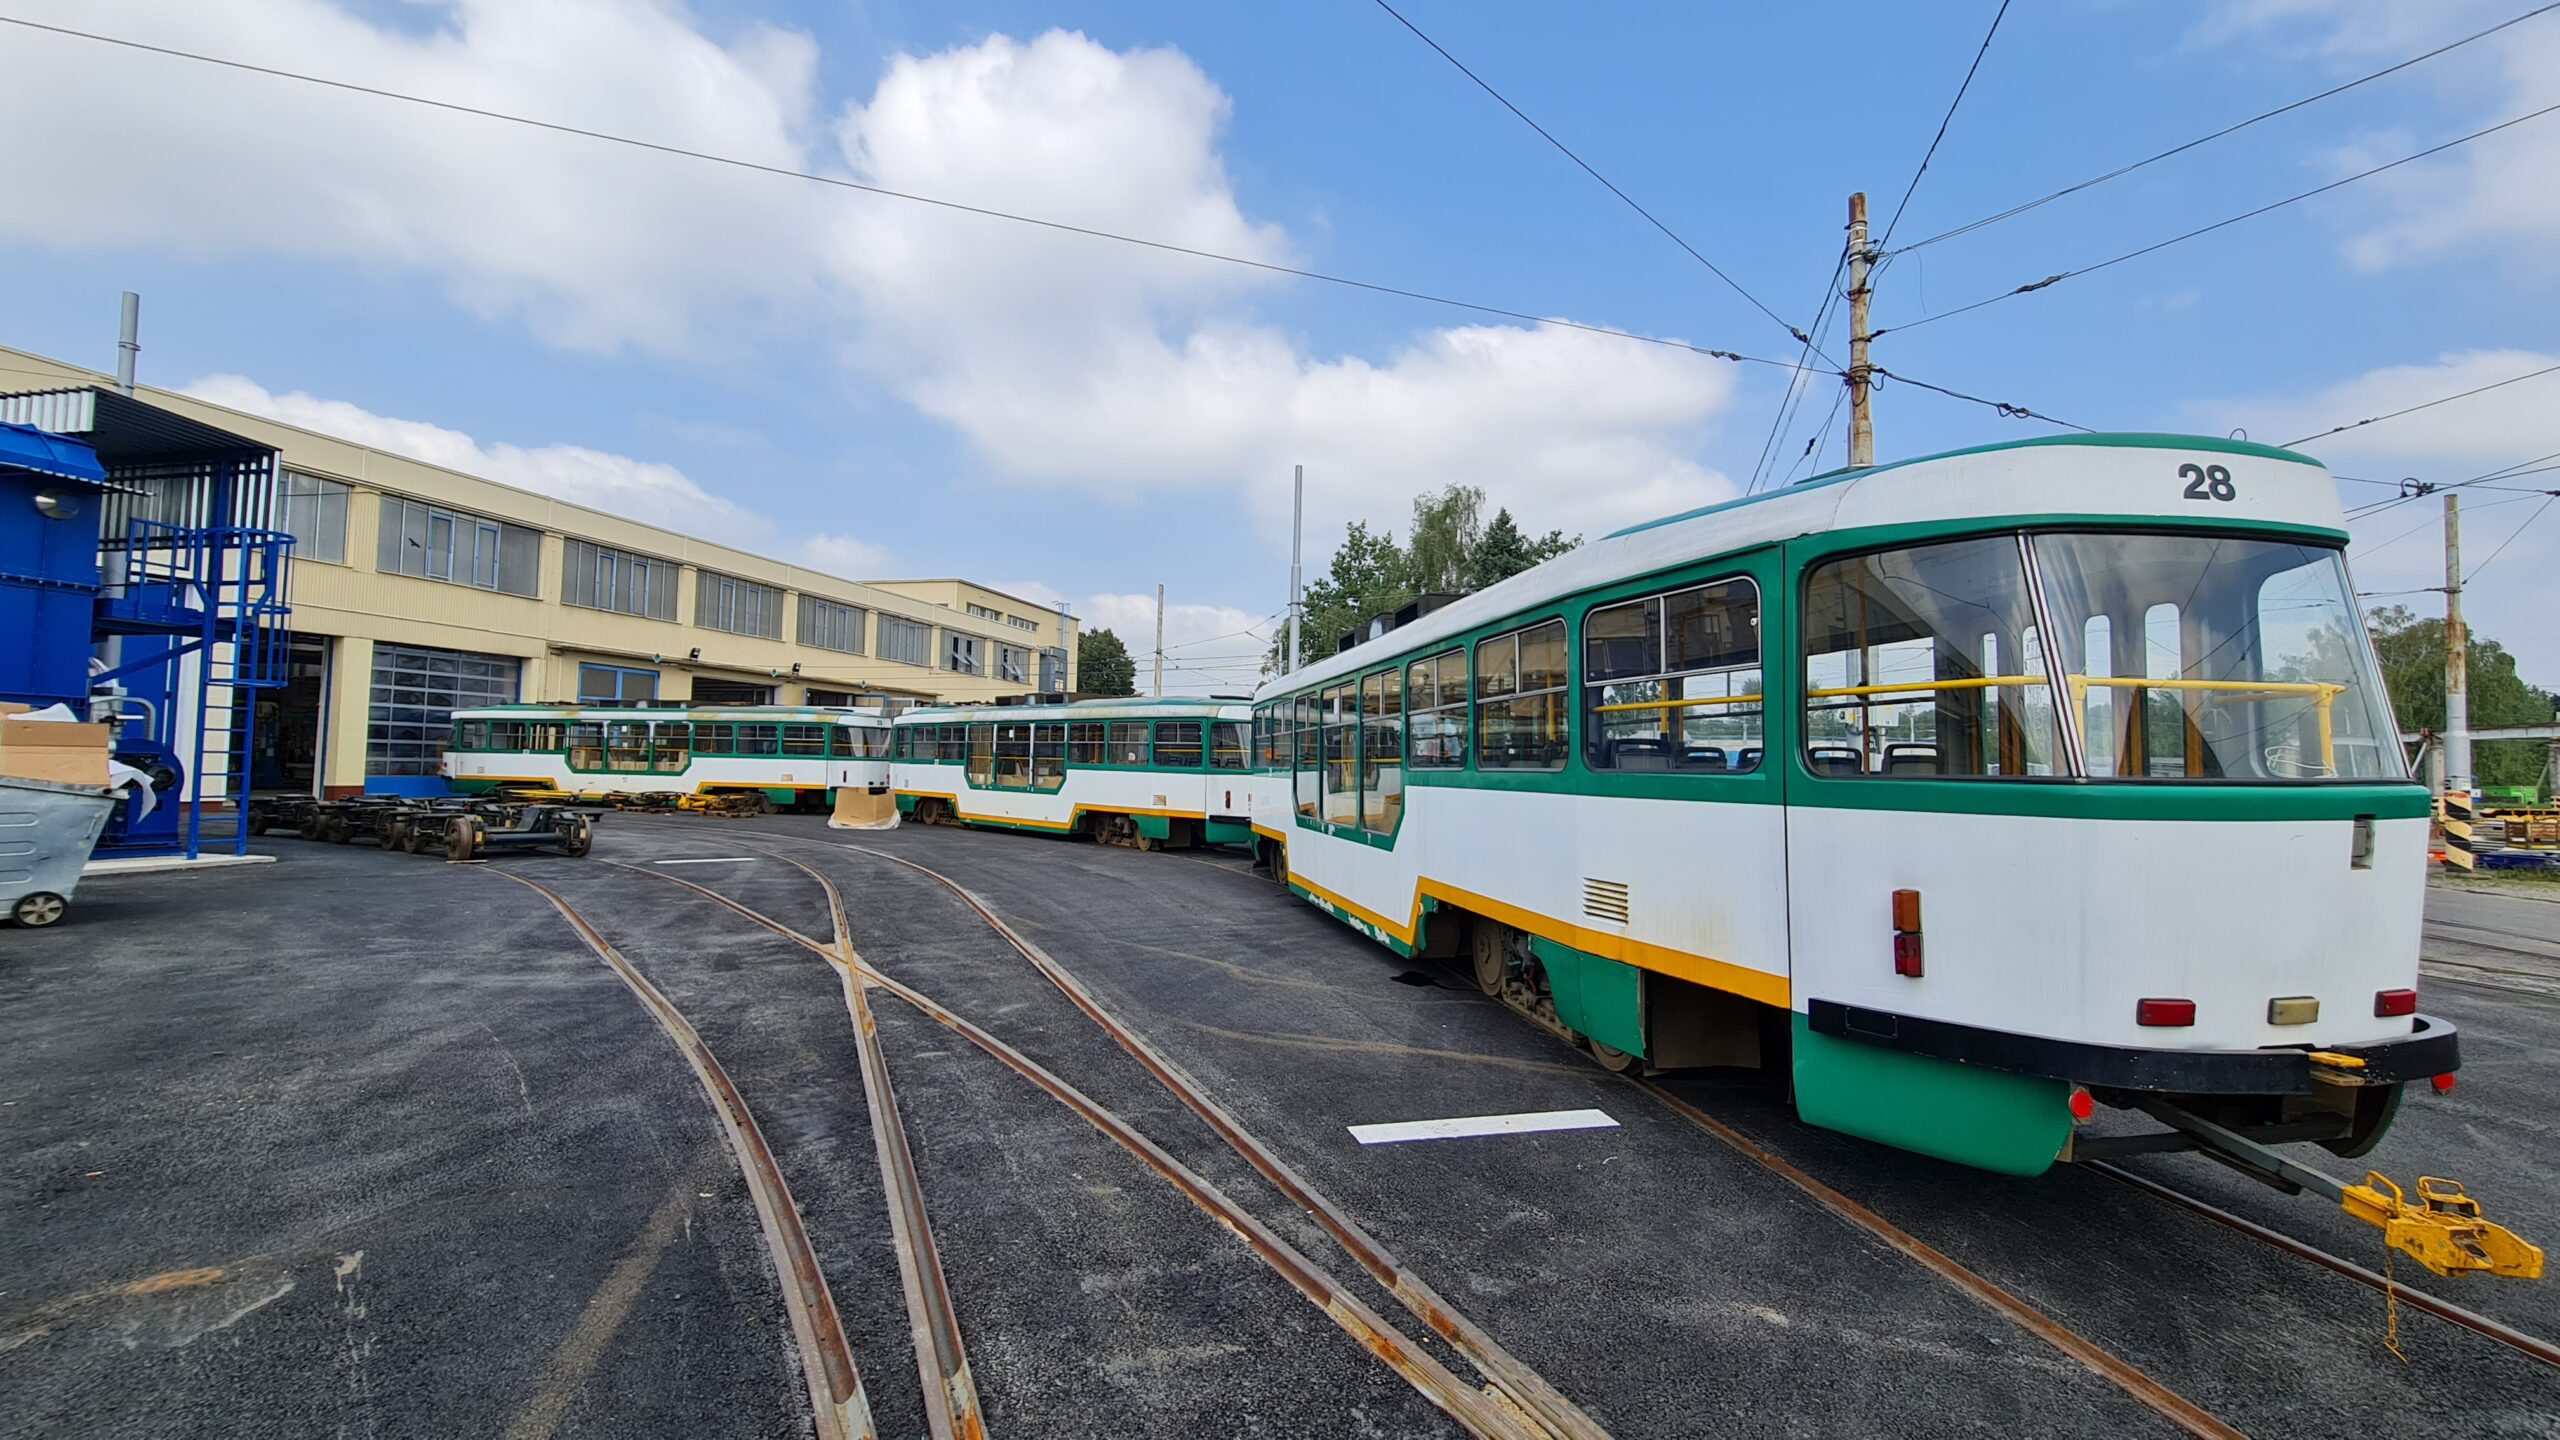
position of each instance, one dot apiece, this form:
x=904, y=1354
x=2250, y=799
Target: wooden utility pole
x=2457, y=657
x=1159, y=639
x=1862, y=429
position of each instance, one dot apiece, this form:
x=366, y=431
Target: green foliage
x=1453, y=551
x=2411, y=648
x=1103, y=665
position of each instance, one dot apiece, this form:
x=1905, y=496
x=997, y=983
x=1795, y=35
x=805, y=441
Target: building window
x=909, y=642
x=983, y=613
x=433, y=543
x=960, y=653
x=1520, y=704
x=1013, y=664
x=1018, y=623
x=829, y=626
x=314, y=512
x=616, y=685
x=415, y=692
x=596, y=578
x=740, y=607
x=1672, y=682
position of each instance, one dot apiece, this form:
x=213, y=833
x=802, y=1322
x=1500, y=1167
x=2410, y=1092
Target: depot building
x=417, y=591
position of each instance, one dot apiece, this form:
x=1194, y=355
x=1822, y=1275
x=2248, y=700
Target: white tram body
x=1991, y=778
x=788, y=754
x=1144, y=772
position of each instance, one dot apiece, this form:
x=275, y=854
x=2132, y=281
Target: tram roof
x=534, y=709
x=1118, y=707
x=2007, y=482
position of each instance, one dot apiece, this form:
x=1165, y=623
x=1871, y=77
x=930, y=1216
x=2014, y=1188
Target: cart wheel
x=39, y=909
x=576, y=838
x=404, y=835
x=341, y=829
x=461, y=842
x=257, y=823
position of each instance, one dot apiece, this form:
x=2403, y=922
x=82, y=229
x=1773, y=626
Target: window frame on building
x=621, y=694
x=733, y=605
x=832, y=625
x=895, y=633
x=313, y=510
x=413, y=693
x=457, y=547
x=635, y=586
x=960, y=654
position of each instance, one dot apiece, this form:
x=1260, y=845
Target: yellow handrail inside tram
x=1676, y=704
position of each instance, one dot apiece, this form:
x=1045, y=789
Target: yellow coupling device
x=2443, y=1231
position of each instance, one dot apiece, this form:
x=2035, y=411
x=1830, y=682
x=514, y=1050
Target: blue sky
x=889, y=390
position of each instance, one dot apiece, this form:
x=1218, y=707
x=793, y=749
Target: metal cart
x=46, y=833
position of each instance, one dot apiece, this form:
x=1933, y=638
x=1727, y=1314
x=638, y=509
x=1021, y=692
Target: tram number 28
x=2208, y=482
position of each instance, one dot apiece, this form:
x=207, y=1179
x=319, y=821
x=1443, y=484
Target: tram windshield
x=2171, y=657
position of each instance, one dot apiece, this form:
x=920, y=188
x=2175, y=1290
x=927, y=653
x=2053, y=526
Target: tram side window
x=1307, y=744
x=1128, y=742
x=804, y=740
x=952, y=746
x=545, y=737
x=1341, y=740
x=1382, y=751
x=1178, y=744
x=982, y=754
x=1435, y=721
x=1227, y=745
x=1672, y=682
x=470, y=735
x=1087, y=743
x=759, y=740
x=1048, y=756
x=1520, y=702
x=670, y=747
x=626, y=745
x=1013, y=757
x=715, y=738
x=586, y=745
x=507, y=735
x=1925, y=662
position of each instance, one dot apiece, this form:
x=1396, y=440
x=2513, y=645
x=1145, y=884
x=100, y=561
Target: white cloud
x=2400, y=549
x=2491, y=196
x=1063, y=360
x=845, y=555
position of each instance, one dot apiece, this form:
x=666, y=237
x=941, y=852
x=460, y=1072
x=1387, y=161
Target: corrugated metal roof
x=26, y=447
x=123, y=430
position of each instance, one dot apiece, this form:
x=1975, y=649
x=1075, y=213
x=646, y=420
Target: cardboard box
x=65, y=753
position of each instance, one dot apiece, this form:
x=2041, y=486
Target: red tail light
x=1906, y=911
x=1906, y=933
x=2083, y=1104
x=2443, y=1083
x=2164, y=1012
x=1906, y=955
x=2387, y=1003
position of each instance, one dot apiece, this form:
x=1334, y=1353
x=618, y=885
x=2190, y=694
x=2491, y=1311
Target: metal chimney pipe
x=128, y=342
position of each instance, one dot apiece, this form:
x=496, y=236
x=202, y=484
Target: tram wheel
x=1491, y=946
x=1611, y=1058
x=463, y=839
x=1280, y=865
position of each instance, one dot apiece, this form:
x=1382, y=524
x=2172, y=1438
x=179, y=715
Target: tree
x=1448, y=529
x=1503, y=551
x=1103, y=666
x=2411, y=649
x=1368, y=574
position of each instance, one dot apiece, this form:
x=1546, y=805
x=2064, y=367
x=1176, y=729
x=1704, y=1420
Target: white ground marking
x=716, y=860
x=1466, y=1125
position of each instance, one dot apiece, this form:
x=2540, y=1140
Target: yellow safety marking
x=1704, y=970
x=2444, y=1231
x=1270, y=834
x=1677, y=704
x=2458, y=815
x=2334, y=1060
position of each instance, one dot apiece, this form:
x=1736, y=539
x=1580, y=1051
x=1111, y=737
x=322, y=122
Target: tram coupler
x=2443, y=1230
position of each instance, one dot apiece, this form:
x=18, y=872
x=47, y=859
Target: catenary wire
x=1811, y=446
x=2007, y=410
x=1948, y=119
x=2426, y=405
x=1606, y=183
x=2123, y=170
x=838, y=182
x=2058, y=277
x=1792, y=398
x=2511, y=537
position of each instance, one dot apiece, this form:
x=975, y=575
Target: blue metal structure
x=191, y=601
x=49, y=493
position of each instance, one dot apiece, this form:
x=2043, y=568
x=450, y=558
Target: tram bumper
x=2431, y=1048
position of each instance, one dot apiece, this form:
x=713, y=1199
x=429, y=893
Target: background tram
x=780, y=756
x=1974, y=791
x=1139, y=772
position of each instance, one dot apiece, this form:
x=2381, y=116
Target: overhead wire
x=1606, y=183
x=2123, y=170
x=2426, y=405
x=2058, y=277
x=2511, y=535
x=1944, y=121
x=1792, y=398
x=841, y=183
x=2007, y=410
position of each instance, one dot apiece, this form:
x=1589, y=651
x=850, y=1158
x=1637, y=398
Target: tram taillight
x=2387, y=1003
x=2164, y=1012
x=1906, y=933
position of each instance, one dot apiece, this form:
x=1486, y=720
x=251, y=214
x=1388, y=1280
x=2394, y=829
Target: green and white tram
x=782, y=756
x=1976, y=790
x=1142, y=772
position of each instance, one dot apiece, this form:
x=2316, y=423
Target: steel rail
x=1491, y=1416
x=1522, y=1386
x=2168, y=1403
x=2529, y=1346
x=841, y=1408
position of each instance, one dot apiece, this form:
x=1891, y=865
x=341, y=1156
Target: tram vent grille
x=1605, y=900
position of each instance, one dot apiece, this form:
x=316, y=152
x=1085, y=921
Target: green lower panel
x=907, y=804
x=475, y=787
x=1989, y=1119
x=780, y=796
x=1155, y=827
x=1599, y=998
x=1220, y=832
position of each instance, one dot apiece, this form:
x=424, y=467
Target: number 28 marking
x=2208, y=482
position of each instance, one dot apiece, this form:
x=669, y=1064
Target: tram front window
x=2221, y=657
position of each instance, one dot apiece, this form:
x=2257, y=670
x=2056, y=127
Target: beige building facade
x=417, y=590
